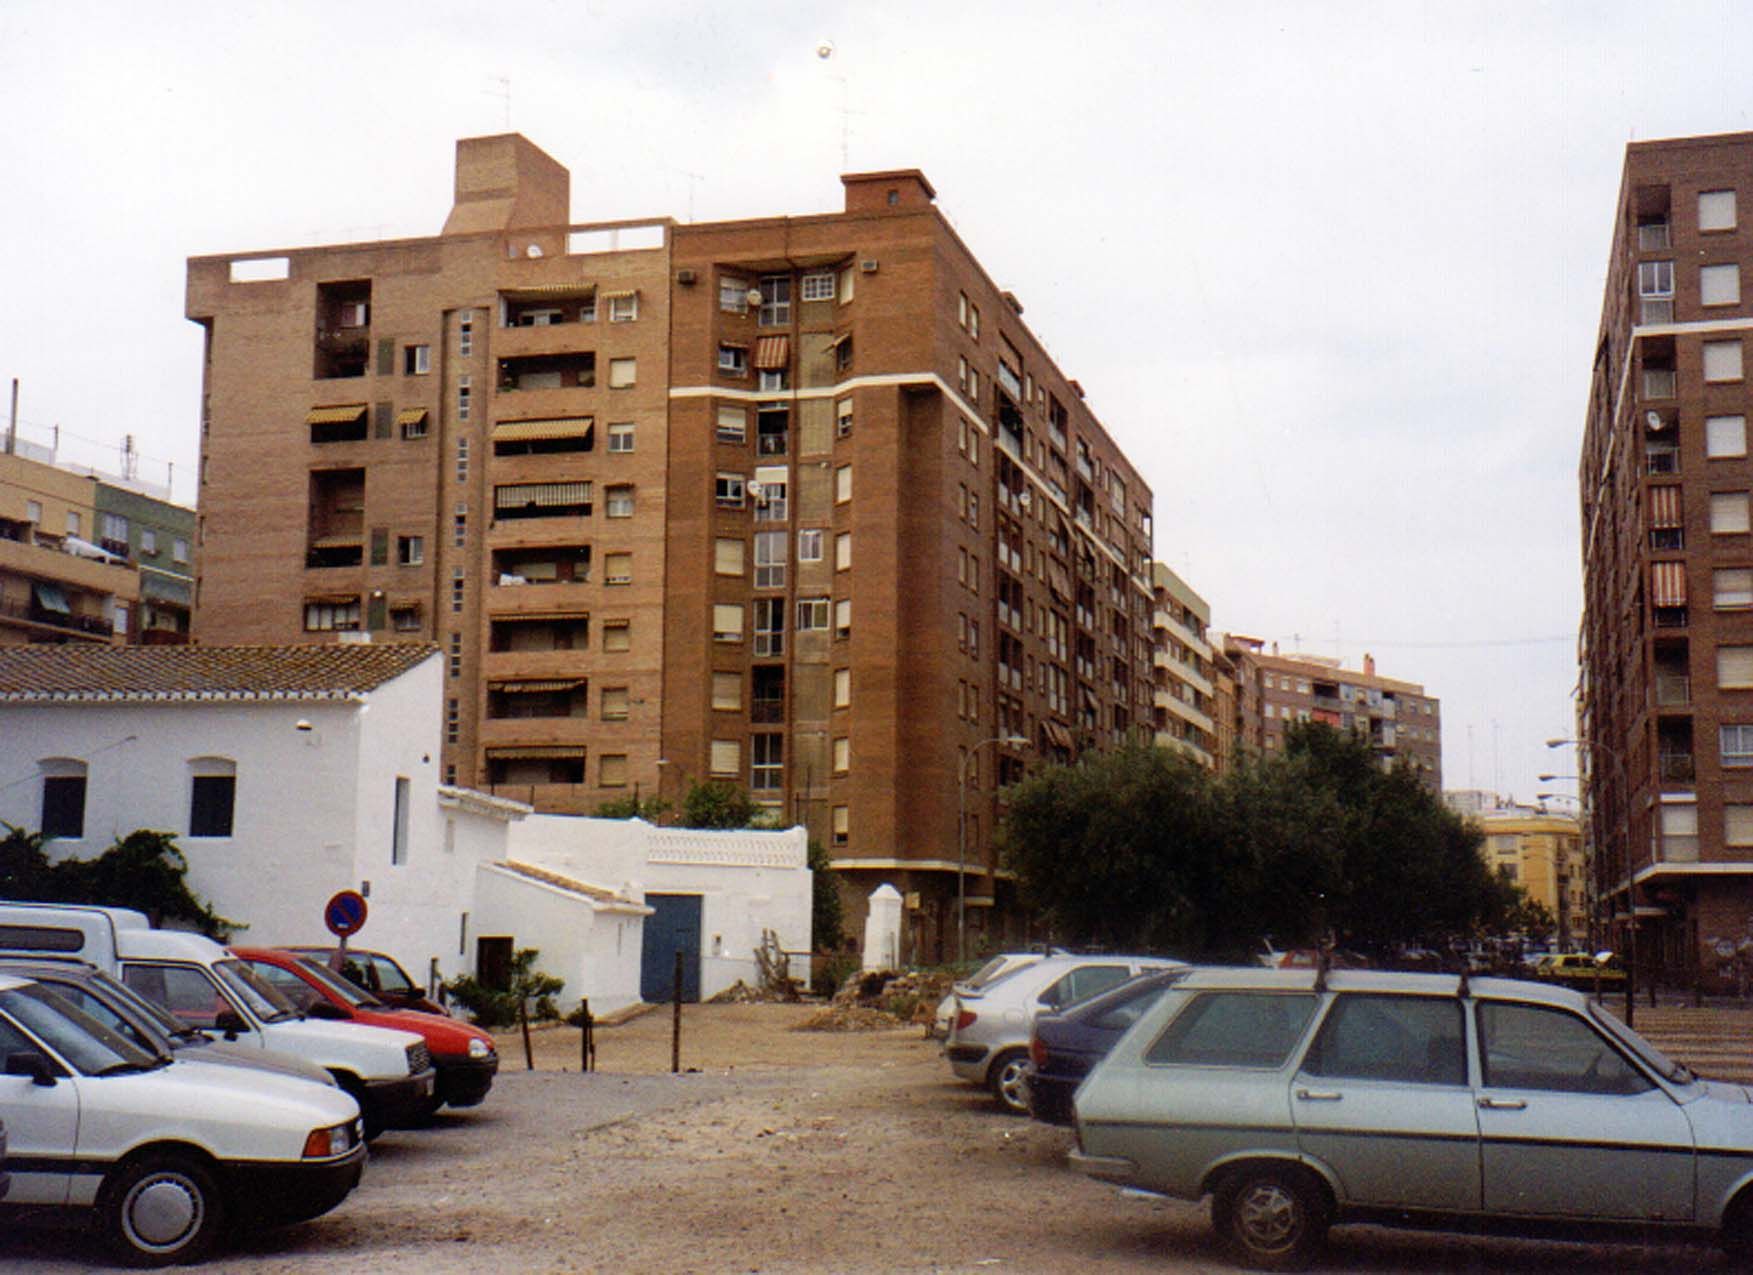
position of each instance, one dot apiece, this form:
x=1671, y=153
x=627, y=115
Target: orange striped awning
x=544, y=752
x=1668, y=584
x=1665, y=507
x=772, y=353
x=335, y=415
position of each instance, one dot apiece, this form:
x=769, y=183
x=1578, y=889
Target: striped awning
x=519, y=495
x=1058, y=734
x=501, y=617
x=1059, y=581
x=411, y=416
x=1665, y=507
x=542, y=752
x=331, y=599
x=620, y=292
x=335, y=415
x=340, y=540
x=535, y=685
x=553, y=290
x=552, y=427
x=1668, y=584
x=772, y=353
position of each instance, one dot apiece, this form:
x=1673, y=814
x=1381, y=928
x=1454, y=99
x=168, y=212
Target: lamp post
x=1630, y=885
x=1009, y=741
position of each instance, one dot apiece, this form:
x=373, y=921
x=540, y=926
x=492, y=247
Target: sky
x=1329, y=273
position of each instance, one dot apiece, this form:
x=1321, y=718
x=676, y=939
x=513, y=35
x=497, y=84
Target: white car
x=167, y=1153
x=991, y=972
x=989, y=1037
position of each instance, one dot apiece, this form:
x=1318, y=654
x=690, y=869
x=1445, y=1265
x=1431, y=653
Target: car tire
x=1736, y=1237
x=161, y=1208
x=1272, y=1218
x=1005, y=1077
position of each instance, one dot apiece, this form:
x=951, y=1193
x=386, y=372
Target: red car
x=464, y=1056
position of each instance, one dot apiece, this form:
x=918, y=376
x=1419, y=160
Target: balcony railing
x=56, y=619
x=1676, y=767
x=1658, y=382
x=770, y=444
x=1663, y=462
x=1673, y=690
x=764, y=712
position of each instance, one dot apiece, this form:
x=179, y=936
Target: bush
x=497, y=1007
x=832, y=972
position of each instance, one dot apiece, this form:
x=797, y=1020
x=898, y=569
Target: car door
x=193, y=995
x=42, y=1126
x=1382, y=1099
x=1571, y=1127
x=1080, y=983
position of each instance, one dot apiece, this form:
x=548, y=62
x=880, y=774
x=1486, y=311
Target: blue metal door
x=673, y=927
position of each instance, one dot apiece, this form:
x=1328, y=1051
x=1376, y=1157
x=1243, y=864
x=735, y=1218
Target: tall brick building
x=798, y=502
x=1666, y=652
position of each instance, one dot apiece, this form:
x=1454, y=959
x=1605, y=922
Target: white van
x=389, y=1072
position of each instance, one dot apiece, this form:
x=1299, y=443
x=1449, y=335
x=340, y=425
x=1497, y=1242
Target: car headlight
x=321, y=1144
x=479, y=1048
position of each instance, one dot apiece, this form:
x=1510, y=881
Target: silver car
x=1298, y=1100
x=993, y=970
x=988, y=1040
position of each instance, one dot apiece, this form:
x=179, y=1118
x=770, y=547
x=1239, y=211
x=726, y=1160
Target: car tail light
x=1037, y=1052
x=965, y=1019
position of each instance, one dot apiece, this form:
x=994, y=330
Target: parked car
x=989, y=1038
x=167, y=1153
x=193, y=978
x=5, y=1180
x=155, y=1030
x=990, y=972
x=1424, y=1099
x=376, y=973
x=464, y=1055
x=1064, y=1046
x=1581, y=971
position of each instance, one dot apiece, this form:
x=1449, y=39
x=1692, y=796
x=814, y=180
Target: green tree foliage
x=498, y=1006
x=1140, y=847
x=650, y=809
x=144, y=870
x=717, y=804
x=827, y=918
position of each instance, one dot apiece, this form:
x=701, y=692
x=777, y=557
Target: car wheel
x=161, y=1209
x=1736, y=1237
x=1007, y=1081
x=1272, y=1219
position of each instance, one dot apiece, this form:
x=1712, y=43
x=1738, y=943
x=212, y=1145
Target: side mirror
x=230, y=1022
x=28, y=1062
x=322, y=1009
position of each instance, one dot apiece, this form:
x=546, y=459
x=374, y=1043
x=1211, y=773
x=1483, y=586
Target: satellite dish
x=534, y=250
x=755, y=489
x=1654, y=420
x=825, y=50
x=754, y=297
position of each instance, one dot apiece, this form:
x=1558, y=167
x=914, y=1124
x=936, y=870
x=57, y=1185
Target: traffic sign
x=344, y=914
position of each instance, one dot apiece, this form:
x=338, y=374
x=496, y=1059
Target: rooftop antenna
x=825, y=51
x=503, y=93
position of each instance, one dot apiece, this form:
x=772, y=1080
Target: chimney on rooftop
x=1369, y=664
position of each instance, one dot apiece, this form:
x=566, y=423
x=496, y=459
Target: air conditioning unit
x=686, y=278
x=868, y=265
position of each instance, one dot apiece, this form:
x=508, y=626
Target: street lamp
x=1630, y=885
x=1009, y=741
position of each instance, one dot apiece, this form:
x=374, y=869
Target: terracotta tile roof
x=37, y=674
x=595, y=893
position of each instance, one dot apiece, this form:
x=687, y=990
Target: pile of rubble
x=879, y=999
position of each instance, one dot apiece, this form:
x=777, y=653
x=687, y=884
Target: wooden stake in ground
x=523, y=1019
x=676, y=1020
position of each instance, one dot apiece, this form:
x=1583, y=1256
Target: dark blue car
x=1065, y=1046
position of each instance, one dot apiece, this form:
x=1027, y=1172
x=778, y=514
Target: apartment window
x=843, y=484
x=962, y=373
x=818, y=285
x=809, y=544
x=769, y=626
x=842, y=825
x=617, y=568
x=729, y=491
x=772, y=380
x=770, y=492
x=453, y=720
x=973, y=320
x=770, y=547
x=1725, y=436
x=766, y=762
x=621, y=436
x=843, y=418
x=1728, y=513
x=843, y=618
x=974, y=639
x=733, y=360
x=618, y=635
x=623, y=307
x=775, y=300
x=727, y=691
x=466, y=335
x=462, y=460
x=1716, y=210
x=620, y=501
x=974, y=510
x=1719, y=285
x=1655, y=279
x=614, y=704
x=399, y=830
x=63, y=810
x=623, y=373
x=733, y=423
x=962, y=567
x=416, y=360
x=333, y=616
x=843, y=551
x=847, y=283
x=726, y=757
x=75, y=528
x=1734, y=667
x=612, y=770
x=464, y=395
x=843, y=354
x=812, y=614
x=456, y=654
x=459, y=526
x=727, y=556
x=410, y=550
x=842, y=688
x=1733, y=588
x=842, y=755
x=1735, y=745
x=1722, y=361
x=727, y=622
x=962, y=310
x=733, y=294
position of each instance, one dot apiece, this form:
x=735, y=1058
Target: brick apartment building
x=1399, y=719
x=1666, y=649
x=1186, y=696
x=796, y=502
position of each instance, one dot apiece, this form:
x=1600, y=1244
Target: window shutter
x=383, y=419
x=386, y=357
x=377, y=613
x=1734, y=666
x=380, y=548
x=1738, y=825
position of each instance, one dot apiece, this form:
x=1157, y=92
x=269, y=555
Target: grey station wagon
x=1297, y=1100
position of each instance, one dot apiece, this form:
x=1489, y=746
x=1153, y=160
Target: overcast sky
x=1329, y=273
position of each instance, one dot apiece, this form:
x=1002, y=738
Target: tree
x=144, y=870
x=501, y=1006
x=25, y=871
x=717, y=804
x=827, y=916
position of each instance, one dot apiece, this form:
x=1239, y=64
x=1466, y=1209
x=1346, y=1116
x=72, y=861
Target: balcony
x=1652, y=236
x=1658, y=382
x=1675, y=767
x=1662, y=460
x=1673, y=690
x=767, y=712
x=64, y=622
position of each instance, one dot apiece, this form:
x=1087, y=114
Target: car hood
x=442, y=1035
x=300, y=1035
x=223, y=1053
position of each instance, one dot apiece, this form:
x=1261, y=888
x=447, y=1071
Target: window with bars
x=769, y=626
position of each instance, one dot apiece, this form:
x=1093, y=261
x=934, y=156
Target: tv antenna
x=503, y=93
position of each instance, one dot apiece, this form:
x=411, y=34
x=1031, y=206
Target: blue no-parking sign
x=345, y=913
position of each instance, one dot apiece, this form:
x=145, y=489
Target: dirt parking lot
x=785, y=1152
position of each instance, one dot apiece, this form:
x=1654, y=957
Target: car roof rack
x=1323, y=960
x=1463, y=989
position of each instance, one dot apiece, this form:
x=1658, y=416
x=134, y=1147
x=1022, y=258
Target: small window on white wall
x=212, y=796
x=1716, y=210
x=1725, y=436
x=399, y=834
x=1719, y=285
x=1722, y=360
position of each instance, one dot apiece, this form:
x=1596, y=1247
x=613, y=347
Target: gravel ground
x=786, y=1152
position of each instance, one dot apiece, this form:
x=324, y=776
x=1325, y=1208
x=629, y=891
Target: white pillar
x=882, y=929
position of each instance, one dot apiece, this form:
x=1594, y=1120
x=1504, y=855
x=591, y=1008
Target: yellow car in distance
x=1580, y=970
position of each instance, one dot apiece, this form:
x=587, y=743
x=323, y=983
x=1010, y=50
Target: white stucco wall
x=594, y=950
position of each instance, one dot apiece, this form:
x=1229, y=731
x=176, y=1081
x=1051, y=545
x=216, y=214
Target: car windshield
x=1667, y=1068
x=84, y=1042
x=264, y=1001
x=140, y=1007
x=987, y=972
x=348, y=993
